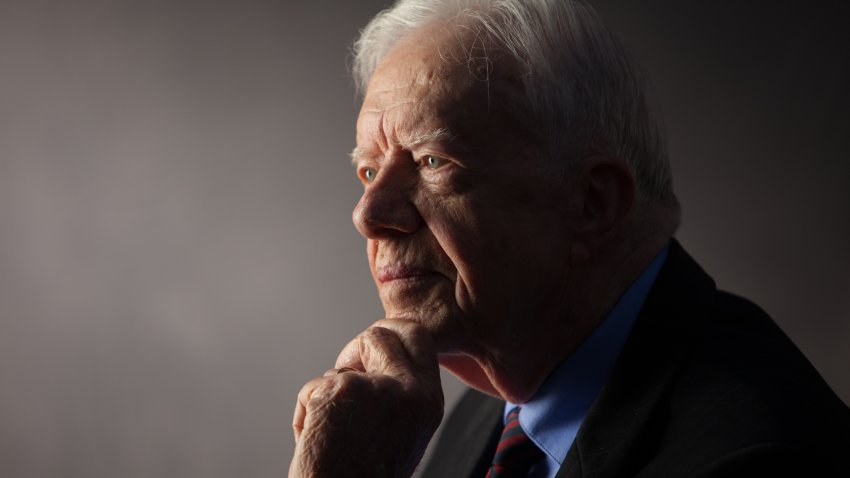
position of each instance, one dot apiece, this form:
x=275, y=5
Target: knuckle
x=412, y=329
x=347, y=387
x=378, y=332
x=346, y=382
x=318, y=391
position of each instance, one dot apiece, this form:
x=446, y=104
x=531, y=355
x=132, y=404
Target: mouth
x=402, y=272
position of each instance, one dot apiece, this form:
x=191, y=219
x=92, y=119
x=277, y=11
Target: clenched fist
x=374, y=420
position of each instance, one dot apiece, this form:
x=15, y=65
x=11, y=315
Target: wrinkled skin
x=375, y=421
x=466, y=234
x=472, y=250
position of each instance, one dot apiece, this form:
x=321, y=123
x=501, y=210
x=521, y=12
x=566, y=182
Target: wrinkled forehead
x=438, y=59
x=444, y=75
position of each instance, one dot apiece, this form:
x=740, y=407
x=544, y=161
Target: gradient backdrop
x=176, y=250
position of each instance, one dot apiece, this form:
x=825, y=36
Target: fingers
x=400, y=349
x=388, y=375
x=350, y=356
x=315, y=394
x=301, y=406
x=382, y=352
x=392, y=347
x=376, y=350
x=417, y=342
x=332, y=412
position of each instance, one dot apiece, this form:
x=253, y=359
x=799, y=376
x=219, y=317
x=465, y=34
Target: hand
x=376, y=420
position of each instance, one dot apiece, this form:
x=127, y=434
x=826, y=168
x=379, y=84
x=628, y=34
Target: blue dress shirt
x=554, y=414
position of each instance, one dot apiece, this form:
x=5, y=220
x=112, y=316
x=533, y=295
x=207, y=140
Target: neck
x=515, y=372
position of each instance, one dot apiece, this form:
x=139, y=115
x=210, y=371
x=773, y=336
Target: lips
x=401, y=272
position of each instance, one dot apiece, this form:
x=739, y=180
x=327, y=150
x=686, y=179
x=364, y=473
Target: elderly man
x=519, y=215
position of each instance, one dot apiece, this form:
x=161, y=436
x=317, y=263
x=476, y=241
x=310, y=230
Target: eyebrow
x=439, y=134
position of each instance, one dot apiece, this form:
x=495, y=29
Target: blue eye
x=369, y=174
x=434, y=162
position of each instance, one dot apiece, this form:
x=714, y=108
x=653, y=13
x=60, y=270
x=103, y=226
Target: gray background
x=176, y=252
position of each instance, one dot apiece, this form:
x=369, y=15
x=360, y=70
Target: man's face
x=464, y=236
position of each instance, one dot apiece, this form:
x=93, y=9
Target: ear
x=607, y=190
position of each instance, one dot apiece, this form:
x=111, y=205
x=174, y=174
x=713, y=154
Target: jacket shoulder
x=742, y=393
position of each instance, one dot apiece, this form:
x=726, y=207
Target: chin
x=443, y=325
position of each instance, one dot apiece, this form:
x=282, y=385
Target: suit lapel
x=620, y=427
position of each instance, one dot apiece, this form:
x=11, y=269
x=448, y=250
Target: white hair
x=582, y=90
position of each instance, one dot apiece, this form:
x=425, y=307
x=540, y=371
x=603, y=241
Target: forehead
x=431, y=58
x=434, y=78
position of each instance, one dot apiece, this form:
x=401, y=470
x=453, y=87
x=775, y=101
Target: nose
x=386, y=208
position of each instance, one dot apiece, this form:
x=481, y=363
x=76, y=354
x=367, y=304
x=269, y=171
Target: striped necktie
x=516, y=453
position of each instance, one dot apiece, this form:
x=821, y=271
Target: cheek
x=495, y=240
x=456, y=227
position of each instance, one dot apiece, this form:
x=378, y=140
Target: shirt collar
x=554, y=414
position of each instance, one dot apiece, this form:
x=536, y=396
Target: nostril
x=378, y=215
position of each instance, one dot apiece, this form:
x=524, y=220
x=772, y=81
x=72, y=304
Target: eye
x=368, y=174
x=433, y=162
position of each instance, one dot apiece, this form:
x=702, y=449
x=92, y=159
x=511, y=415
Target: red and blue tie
x=516, y=453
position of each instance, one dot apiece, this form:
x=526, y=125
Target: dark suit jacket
x=706, y=385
